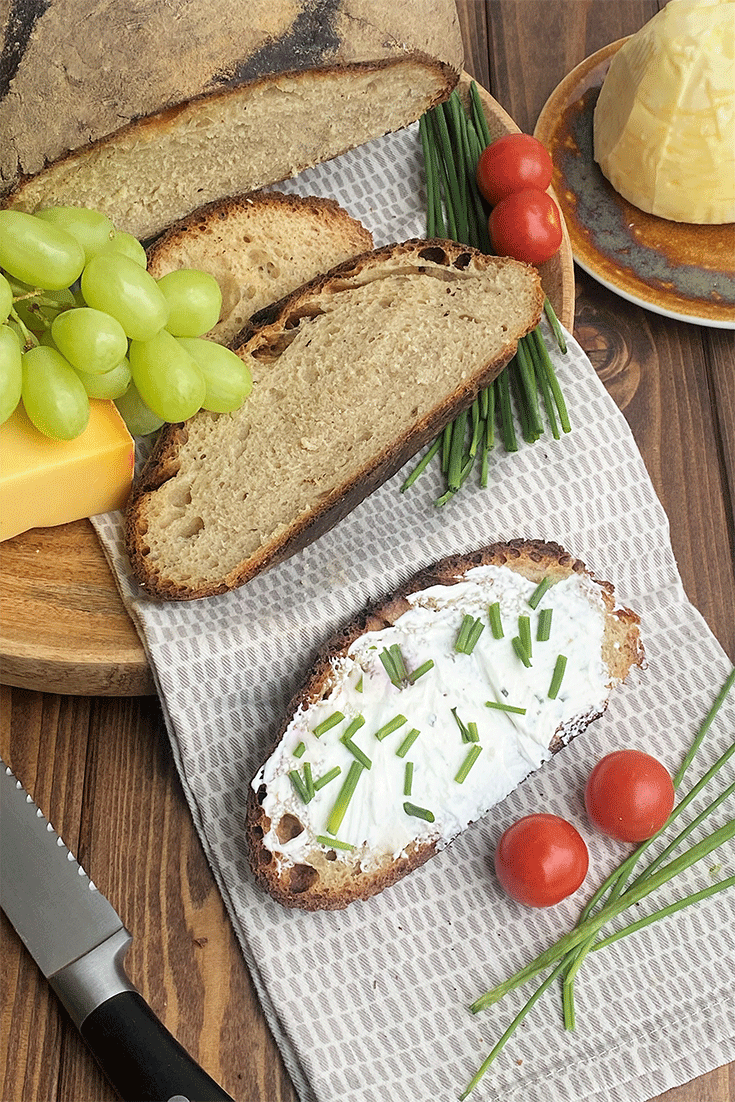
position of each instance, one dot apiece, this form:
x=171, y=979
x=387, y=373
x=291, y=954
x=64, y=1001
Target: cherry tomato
x=541, y=859
x=526, y=225
x=629, y=795
x=512, y=163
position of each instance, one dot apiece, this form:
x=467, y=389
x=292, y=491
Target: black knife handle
x=139, y=1056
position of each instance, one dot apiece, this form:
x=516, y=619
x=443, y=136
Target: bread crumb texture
x=351, y=375
x=175, y=103
x=286, y=856
x=259, y=248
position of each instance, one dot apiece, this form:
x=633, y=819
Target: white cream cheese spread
x=664, y=124
x=449, y=757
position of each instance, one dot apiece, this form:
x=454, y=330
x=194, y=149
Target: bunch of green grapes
x=81, y=317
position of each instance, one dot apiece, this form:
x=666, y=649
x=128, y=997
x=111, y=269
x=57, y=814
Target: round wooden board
x=63, y=626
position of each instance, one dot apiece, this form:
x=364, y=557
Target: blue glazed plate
x=680, y=270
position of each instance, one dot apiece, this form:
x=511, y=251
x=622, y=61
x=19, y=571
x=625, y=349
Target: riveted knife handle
x=139, y=1056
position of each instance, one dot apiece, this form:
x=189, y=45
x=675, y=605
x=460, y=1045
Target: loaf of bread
x=352, y=374
x=377, y=768
x=148, y=110
x=259, y=248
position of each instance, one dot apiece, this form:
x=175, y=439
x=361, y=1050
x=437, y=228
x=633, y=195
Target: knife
x=78, y=941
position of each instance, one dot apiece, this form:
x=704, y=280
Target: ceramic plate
x=677, y=269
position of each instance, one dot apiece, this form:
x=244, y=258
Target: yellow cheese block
x=45, y=482
x=664, y=124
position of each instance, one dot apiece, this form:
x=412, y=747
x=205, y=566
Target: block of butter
x=44, y=482
x=664, y=124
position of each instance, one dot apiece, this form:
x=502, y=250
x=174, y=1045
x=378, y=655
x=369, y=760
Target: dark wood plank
x=657, y=370
x=102, y=768
x=103, y=772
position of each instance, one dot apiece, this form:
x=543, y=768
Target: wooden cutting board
x=63, y=626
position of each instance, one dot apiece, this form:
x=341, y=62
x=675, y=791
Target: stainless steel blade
x=54, y=906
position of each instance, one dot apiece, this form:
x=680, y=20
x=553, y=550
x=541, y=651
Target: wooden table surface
x=101, y=767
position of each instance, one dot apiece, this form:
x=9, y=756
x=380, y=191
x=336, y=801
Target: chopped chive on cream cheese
x=476, y=722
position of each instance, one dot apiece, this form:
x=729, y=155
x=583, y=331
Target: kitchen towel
x=371, y=1003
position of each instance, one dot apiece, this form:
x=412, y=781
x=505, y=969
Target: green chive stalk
x=452, y=140
x=592, y=925
x=584, y=936
x=543, y=631
x=615, y=883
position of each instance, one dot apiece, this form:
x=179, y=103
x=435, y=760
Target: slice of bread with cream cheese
x=426, y=712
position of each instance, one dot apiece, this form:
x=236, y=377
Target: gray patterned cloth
x=371, y=1003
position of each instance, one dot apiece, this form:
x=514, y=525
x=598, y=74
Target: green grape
x=92, y=229
x=16, y=330
x=139, y=419
x=112, y=384
x=53, y=394
x=228, y=379
x=11, y=372
x=90, y=340
x=6, y=298
x=129, y=246
x=194, y=300
x=37, y=252
x=168, y=379
x=118, y=286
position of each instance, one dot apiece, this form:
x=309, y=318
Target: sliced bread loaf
x=352, y=374
x=431, y=746
x=159, y=108
x=258, y=247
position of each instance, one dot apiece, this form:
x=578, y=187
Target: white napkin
x=371, y=1003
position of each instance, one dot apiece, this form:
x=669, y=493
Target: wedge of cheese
x=44, y=482
x=664, y=123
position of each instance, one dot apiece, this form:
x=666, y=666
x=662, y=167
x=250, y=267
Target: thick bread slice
x=352, y=374
x=163, y=106
x=259, y=248
x=601, y=642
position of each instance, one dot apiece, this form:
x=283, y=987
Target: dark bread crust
x=264, y=331
x=221, y=209
x=308, y=887
x=149, y=126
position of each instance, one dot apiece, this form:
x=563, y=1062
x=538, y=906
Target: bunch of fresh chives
x=618, y=893
x=452, y=140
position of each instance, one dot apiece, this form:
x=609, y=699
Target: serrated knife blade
x=79, y=942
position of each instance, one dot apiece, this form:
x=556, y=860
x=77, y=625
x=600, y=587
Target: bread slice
x=304, y=861
x=207, y=98
x=258, y=247
x=352, y=373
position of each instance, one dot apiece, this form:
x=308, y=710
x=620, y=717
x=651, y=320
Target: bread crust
x=264, y=330
x=176, y=52
x=308, y=887
x=257, y=245
x=221, y=209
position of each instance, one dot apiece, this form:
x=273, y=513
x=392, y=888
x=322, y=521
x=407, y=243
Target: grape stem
x=30, y=340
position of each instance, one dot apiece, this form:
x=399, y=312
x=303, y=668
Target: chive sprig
x=452, y=140
x=618, y=894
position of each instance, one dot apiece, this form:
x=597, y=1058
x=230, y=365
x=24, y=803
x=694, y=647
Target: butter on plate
x=664, y=124
x=45, y=482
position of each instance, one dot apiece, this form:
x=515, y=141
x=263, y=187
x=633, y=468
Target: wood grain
x=63, y=626
x=102, y=768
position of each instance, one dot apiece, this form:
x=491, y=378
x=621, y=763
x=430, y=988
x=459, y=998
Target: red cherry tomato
x=526, y=225
x=541, y=859
x=512, y=163
x=629, y=795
